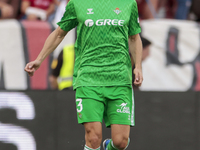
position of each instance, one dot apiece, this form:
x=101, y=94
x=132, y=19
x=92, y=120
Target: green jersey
x=101, y=48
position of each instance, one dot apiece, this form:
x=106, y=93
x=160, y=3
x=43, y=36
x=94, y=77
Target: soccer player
x=102, y=72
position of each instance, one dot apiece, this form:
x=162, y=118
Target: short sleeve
x=69, y=19
x=134, y=25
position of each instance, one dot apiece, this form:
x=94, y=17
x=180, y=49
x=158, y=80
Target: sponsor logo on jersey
x=117, y=11
x=123, y=108
x=89, y=22
x=90, y=11
x=103, y=22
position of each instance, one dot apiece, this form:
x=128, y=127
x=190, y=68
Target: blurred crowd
x=173, y=9
x=52, y=10
x=44, y=10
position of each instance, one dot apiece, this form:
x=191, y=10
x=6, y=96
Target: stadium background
x=33, y=117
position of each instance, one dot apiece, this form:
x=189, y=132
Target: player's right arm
x=68, y=22
x=53, y=40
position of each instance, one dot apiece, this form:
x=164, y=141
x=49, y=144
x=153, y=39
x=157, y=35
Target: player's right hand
x=138, y=76
x=31, y=67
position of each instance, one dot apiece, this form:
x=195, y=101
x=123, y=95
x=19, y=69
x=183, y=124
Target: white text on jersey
x=101, y=22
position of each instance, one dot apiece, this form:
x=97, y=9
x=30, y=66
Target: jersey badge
x=90, y=11
x=80, y=115
x=117, y=11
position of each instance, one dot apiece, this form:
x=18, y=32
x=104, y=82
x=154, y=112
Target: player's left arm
x=135, y=46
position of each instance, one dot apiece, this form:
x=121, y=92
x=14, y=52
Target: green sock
x=112, y=147
x=87, y=148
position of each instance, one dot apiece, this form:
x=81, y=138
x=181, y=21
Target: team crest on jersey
x=80, y=115
x=117, y=11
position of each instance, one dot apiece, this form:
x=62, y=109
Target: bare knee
x=120, y=142
x=120, y=135
x=93, y=136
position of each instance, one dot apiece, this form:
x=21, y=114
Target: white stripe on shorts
x=133, y=110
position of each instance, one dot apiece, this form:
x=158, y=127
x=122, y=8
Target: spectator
x=183, y=7
x=37, y=9
x=170, y=6
x=195, y=9
x=176, y=9
x=57, y=2
x=9, y=9
x=62, y=69
x=147, y=9
x=59, y=11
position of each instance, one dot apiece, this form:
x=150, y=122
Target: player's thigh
x=89, y=104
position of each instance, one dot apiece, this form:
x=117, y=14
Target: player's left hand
x=138, y=76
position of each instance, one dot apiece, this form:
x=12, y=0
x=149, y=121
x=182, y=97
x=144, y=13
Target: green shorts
x=114, y=104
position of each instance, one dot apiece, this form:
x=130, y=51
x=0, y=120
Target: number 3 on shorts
x=79, y=105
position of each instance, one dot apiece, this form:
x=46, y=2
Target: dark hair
x=145, y=42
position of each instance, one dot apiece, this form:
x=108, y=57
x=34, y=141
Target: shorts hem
x=117, y=122
x=81, y=122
